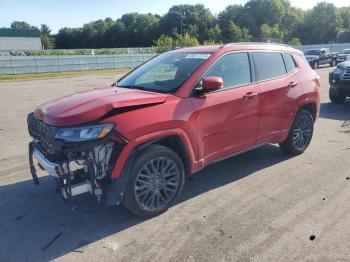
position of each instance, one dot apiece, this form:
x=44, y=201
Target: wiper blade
x=133, y=87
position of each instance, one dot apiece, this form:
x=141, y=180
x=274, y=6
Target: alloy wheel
x=302, y=132
x=157, y=183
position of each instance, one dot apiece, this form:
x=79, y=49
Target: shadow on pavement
x=335, y=111
x=36, y=225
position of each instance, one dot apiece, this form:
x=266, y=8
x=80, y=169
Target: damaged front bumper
x=77, y=167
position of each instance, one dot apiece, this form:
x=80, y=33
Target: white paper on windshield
x=198, y=56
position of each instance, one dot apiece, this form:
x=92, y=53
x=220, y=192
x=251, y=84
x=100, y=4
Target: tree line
x=188, y=25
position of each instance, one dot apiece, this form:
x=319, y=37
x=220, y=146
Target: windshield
x=346, y=51
x=312, y=52
x=164, y=73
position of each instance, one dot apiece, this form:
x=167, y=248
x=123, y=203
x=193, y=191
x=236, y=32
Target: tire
x=302, y=127
x=335, y=97
x=150, y=189
x=333, y=63
x=315, y=65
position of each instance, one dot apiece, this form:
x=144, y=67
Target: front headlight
x=84, y=133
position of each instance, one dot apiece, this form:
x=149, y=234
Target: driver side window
x=233, y=68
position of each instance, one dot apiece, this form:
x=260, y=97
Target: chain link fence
x=332, y=47
x=66, y=63
x=46, y=64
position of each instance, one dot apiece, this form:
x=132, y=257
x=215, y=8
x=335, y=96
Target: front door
x=226, y=120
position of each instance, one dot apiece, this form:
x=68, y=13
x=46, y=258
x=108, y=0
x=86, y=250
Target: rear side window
x=269, y=65
x=233, y=68
x=290, y=63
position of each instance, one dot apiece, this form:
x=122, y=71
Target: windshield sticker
x=198, y=56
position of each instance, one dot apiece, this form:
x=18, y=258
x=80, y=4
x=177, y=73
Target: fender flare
x=127, y=157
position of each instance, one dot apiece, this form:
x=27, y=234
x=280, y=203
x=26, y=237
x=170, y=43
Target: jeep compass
x=134, y=142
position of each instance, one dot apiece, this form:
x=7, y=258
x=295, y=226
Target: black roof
x=9, y=32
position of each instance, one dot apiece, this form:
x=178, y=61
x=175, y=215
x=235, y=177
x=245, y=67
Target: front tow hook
x=31, y=165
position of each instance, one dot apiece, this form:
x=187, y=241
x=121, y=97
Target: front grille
x=42, y=133
x=346, y=75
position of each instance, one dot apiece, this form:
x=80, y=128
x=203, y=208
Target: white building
x=19, y=40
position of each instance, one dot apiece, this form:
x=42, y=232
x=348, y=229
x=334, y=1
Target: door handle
x=292, y=84
x=250, y=95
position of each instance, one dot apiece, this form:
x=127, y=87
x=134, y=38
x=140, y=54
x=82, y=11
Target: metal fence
x=332, y=47
x=45, y=64
x=66, y=63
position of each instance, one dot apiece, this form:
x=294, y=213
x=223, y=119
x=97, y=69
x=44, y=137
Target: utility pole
x=181, y=22
x=181, y=26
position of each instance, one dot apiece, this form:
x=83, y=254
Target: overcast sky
x=73, y=13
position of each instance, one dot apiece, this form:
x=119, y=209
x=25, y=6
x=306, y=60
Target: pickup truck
x=344, y=55
x=322, y=56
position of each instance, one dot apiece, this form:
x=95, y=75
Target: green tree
x=213, y=34
x=259, y=12
x=232, y=13
x=164, y=43
x=140, y=29
x=192, y=19
x=294, y=41
x=291, y=23
x=20, y=25
x=236, y=34
x=344, y=13
x=269, y=32
x=212, y=42
x=186, y=41
x=321, y=24
x=46, y=39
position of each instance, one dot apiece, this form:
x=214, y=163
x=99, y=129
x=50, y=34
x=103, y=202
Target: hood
x=344, y=64
x=92, y=105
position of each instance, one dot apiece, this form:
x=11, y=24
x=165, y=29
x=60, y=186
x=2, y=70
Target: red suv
x=135, y=142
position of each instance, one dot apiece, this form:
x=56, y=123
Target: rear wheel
x=156, y=179
x=300, y=134
x=335, y=97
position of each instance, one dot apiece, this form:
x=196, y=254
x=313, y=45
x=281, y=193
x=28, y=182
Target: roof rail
x=254, y=43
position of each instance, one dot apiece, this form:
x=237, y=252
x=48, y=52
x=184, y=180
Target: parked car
x=339, y=80
x=135, y=142
x=317, y=57
x=344, y=55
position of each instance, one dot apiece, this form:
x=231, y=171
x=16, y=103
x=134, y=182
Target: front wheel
x=333, y=63
x=156, y=179
x=300, y=134
x=335, y=97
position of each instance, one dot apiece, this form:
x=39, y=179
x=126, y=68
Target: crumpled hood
x=91, y=105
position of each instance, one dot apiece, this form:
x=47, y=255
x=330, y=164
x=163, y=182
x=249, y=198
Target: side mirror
x=212, y=83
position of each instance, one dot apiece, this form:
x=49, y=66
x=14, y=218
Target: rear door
x=278, y=89
x=226, y=119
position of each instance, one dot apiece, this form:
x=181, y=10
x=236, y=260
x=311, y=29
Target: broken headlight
x=84, y=133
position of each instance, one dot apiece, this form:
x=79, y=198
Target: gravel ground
x=258, y=206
